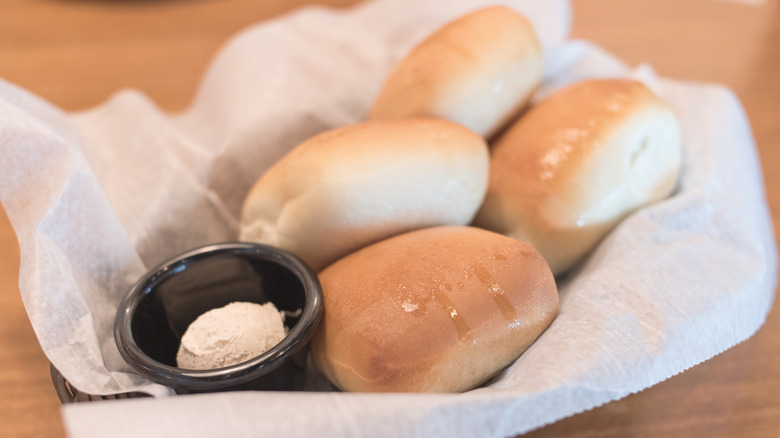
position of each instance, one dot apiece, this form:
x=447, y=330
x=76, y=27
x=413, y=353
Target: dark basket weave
x=69, y=394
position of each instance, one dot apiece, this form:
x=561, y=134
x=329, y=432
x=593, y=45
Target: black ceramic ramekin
x=158, y=309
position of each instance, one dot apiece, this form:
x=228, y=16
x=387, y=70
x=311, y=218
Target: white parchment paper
x=97, y=198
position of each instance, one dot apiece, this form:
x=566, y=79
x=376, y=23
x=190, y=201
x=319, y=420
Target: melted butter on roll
x=578, y=163
x=441, y=309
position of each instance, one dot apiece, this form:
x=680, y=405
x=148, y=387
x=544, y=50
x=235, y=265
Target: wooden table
x=77, y=53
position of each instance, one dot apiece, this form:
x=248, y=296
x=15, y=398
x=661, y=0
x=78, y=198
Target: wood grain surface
x=77, y=53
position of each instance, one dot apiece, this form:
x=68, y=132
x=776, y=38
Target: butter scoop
x=230, y=335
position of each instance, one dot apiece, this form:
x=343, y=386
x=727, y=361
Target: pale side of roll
x=441, y=309
x=479, y=71
x=352, y=186
x=578, y=163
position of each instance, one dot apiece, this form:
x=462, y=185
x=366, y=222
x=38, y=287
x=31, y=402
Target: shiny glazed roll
x=578, y=163
x=478, y=70
x=352, y=186
x=441, y=309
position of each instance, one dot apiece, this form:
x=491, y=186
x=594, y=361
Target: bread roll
x=441, y=309
x=352, y=186
x=579, y=162
x=478, y=70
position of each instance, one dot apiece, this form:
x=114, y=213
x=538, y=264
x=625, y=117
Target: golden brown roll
x=352, y=186
x=478, y=70
x=579, y=162
x=435, y=310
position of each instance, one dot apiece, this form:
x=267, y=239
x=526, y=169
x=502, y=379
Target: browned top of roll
x=438, y=309
x=477, y=70
x=578, y=162
x=346, y=188
x=550, y=157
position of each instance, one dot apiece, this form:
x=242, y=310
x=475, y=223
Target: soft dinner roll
x=478, y=70
x=440, y=309
x=352, y=186
x=576, y=164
